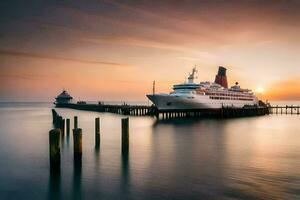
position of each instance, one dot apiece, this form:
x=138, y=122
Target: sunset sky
x=113, y=50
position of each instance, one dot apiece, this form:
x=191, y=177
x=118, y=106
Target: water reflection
x=68, y=140
x=97, y=147
x=176, y=121
x=77, y=169
x=249, y=158
x=62, y=139
x=54, y=185
x=97, y=157
x=125, y=177
x=187, y=157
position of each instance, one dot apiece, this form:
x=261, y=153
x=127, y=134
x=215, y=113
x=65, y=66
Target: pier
x=285, y=109
x=123, y=109
x=225, y=112
x=143, y=110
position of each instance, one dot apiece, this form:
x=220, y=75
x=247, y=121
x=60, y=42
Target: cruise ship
x=204, y=95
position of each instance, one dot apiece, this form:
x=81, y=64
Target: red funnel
x=221, y=78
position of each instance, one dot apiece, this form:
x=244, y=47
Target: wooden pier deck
x=123, y=109
x=143, y=110
x=288, y=109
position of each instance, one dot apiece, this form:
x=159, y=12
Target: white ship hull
x=194, y=101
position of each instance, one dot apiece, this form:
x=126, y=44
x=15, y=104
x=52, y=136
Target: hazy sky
x=113, y=50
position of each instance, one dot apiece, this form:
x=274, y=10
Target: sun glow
x=260, y=90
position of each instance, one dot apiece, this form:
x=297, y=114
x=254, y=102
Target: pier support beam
x=75, y=122
x=77, y=137
x=62, y=126
x=68, y=127
x=97, y=133
x=125, y=136
x=54, y=149
x=54, y=116
x=57, y=122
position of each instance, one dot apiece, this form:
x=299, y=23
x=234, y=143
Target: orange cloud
x=285, y=90
x=41, y=56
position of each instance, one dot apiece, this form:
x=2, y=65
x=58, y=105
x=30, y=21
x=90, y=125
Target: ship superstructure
x=204, y=95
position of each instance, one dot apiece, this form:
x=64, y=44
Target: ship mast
x=192, y=75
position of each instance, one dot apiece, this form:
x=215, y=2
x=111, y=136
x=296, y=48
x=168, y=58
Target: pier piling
x=59, y=122
x=97, y=132
x=125, y=135
x=54, y=149
x=68, y=126
x=77, y=137
x=75, y=122
x=54, y=116
x=62, y=126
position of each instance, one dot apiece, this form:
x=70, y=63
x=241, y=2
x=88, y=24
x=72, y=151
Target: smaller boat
x=63, y=98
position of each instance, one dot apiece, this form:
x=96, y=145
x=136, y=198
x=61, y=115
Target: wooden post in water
x=75, y=122
x=97, y=132
x=125, y=135
x=68, y=126
x=59, y=122
x=62, y=126
x=54, y=149
x=54, y=116
x=77, y=137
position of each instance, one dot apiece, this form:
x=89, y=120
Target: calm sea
x=245, y=158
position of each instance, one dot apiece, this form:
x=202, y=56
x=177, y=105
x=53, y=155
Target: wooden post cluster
x=77, y=137
x=97, y=132
x=54, y=149
x=125, y=135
